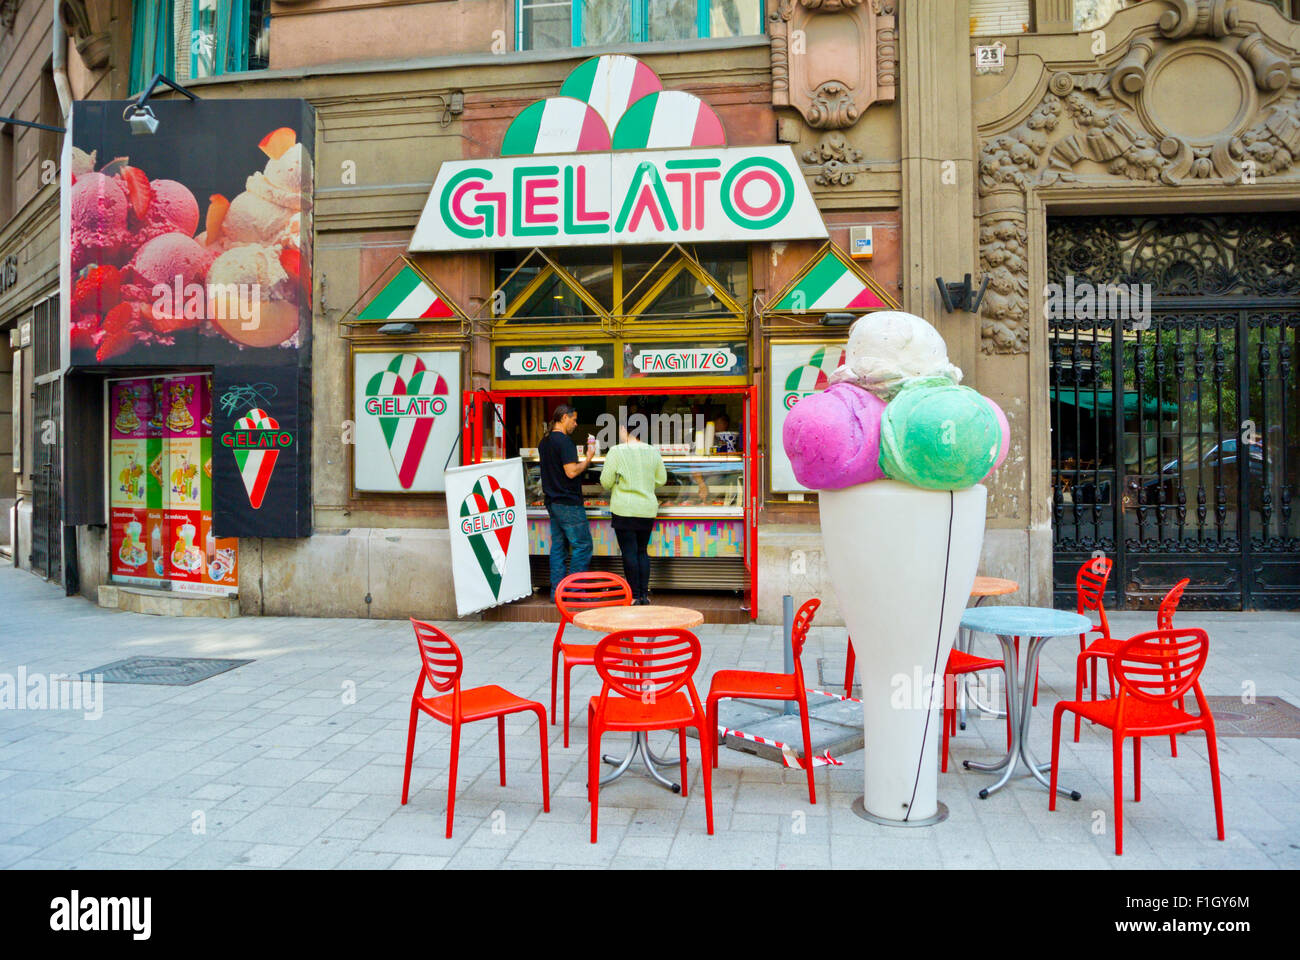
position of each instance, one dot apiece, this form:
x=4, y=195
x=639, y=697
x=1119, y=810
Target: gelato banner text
x=647, y=196
x=487, y=517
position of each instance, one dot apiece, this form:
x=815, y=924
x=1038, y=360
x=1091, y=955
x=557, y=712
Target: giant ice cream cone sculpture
x=896, y=450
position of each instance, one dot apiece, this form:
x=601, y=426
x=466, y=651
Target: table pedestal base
x=641, y=745
x=1020, y=702
x=860, y=810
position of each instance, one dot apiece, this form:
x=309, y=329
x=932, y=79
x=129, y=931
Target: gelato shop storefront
x=623, y=286
x=186, y=279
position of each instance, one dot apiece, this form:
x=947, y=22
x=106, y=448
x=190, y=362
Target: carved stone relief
x=832, y=59
x=1145, y=118
x=835, y=161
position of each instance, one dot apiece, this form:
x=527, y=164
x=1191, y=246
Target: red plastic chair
x=647, y=670
x=751, y=685
x=850, y=660
x=578, y=592
x=1106, y=648
x=960, y=663
x=1089, y=590
x=441, y=667
x=1153, y=671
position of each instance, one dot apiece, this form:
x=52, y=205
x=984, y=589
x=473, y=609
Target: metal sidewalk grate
x=165, y=671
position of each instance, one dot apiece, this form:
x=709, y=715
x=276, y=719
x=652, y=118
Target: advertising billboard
x=191, y=249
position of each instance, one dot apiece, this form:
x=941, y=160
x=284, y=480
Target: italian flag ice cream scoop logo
x=812, y=376
x=487, y=520
x=406, y=398
x=256, y=442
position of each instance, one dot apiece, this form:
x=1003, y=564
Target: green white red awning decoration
x=408, y=296
x=611, y=84
x=833, y=283
x=613, y=100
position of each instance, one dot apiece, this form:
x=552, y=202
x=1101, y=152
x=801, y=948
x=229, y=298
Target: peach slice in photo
x=275, y=143
x=275, y=322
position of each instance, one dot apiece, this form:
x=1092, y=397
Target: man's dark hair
x=562, y=411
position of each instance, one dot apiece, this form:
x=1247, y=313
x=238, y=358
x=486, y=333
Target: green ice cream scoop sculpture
x=939, y=436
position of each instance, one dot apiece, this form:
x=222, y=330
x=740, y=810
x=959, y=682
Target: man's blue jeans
x=570, y=541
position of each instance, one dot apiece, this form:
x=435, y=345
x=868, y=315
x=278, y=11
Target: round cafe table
x=1038, y=624
x=647, y=618
x=984, y=588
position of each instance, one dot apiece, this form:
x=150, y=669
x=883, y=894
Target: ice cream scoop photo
x=896, y=449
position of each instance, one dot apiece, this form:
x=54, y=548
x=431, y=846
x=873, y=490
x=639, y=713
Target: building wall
x=921, y=164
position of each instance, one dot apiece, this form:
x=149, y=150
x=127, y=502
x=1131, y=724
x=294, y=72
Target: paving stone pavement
x=295, y=760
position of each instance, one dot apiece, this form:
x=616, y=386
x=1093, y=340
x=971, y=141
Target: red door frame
x=475, y=404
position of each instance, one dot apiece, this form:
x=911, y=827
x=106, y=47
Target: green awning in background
x=1103, y=402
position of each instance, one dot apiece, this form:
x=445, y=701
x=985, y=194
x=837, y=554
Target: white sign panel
x=486, y=512
x=553, y=363
x=406, y=411
x=600, y=199
x=798, y=370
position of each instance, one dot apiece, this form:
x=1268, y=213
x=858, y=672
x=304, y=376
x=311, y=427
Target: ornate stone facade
x=832, y=59
x=1198, y=93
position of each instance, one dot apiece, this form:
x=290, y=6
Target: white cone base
x=902, y=561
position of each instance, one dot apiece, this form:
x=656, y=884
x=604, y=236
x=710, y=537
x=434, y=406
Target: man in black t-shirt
x=562, y=483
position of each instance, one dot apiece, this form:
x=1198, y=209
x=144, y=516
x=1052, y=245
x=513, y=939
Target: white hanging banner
x=489, y=534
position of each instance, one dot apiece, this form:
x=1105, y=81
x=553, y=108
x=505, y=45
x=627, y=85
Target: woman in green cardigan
x=631, y=473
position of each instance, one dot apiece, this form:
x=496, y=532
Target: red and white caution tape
x=834, y=696
x=787, y=752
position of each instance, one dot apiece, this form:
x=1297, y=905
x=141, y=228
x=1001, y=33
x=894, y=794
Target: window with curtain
x=555, y=24
x=189, y=39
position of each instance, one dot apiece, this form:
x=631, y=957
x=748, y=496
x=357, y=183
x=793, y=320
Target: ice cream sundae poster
x=797, y=370
x=406, y=414
x=486, y=514
x=192, y=245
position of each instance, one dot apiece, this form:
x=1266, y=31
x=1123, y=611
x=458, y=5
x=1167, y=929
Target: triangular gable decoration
x=833, y=282
x=408, y=296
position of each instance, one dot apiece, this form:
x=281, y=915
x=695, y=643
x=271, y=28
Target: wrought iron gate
x=1175, y=446
x=47, y=462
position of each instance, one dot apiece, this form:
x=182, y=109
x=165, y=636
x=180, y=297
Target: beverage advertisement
x=192, y=246
x=798, y=369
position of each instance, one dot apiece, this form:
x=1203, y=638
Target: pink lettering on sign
x=582, y=214
x=645, y=202
x=498, y=199
x=469, y=219
x=533, y=202
x=773, y=196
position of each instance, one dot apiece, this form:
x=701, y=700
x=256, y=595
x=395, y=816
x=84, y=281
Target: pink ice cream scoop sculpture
x=833, y=438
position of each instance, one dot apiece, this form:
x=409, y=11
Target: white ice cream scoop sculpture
x=896, y=450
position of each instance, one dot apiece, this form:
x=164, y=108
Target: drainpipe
x=60, y=64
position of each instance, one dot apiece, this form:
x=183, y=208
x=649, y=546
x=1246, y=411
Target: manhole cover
x=1266, y=717
x=167, y=671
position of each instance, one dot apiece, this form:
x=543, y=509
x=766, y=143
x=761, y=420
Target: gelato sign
x=489, y=534
x=661, y=196
x=403, y=419
x=559, y=181
x=799, y=370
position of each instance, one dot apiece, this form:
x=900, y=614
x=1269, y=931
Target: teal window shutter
x=152, y=29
